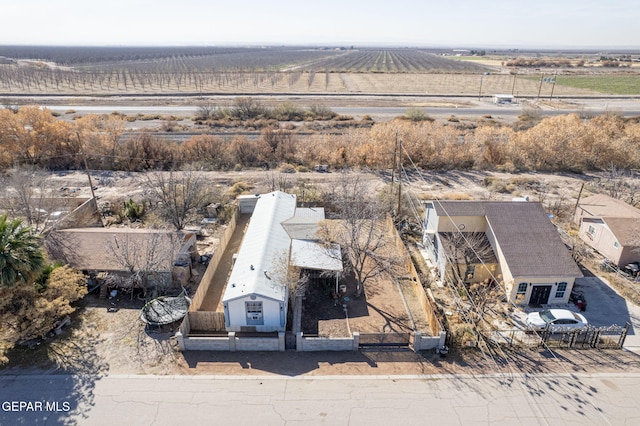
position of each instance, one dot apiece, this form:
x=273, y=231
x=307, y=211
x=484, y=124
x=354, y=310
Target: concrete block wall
x=423, y=343
x=318, y=344
x=204, y=343
x=230, y=343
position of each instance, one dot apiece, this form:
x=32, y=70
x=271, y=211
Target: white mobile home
x=256, y=296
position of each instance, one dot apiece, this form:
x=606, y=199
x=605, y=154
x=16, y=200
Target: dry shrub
x=456, y=196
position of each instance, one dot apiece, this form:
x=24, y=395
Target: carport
x=314, y=256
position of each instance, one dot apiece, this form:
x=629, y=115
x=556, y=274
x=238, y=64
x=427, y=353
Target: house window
x=522, y=290
x=616, y=244
x=254, y=311
x=591, y=230
x=562, y=288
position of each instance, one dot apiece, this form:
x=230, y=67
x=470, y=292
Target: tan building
x=611, y=227
x=527, y=257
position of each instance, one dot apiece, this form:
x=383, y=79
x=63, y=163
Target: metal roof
x=312, y=255
x=262, y=257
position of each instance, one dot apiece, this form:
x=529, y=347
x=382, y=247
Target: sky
x=444, y=23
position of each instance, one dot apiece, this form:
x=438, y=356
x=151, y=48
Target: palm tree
x=21, y=256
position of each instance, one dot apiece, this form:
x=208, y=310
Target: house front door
x=540, y=294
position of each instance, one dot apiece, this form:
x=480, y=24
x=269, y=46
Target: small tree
x=21, y=256
x=28, y=312
x=178, y=195
x=361, y=232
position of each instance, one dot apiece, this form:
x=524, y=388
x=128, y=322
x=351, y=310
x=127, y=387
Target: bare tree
x=621, y=184
x=466, y=251
x=277, y=181
x=178, y=195
x=28, y=194
x=148, y=260
x=362, y=232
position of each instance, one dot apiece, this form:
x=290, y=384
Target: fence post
x=623, y=335
x=180, y=338
x=232, y=341
x=281, y=345
x=595, y=339
x=299, y=342
x=356, y=340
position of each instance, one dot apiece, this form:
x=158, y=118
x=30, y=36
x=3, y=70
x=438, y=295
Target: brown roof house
x=610, y=226
x=125, y=257
x=513, y=243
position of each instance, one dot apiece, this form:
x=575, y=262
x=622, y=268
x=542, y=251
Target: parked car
x=556, y=320
x=632, y=269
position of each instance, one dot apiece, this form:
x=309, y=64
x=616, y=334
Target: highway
x=627, y=108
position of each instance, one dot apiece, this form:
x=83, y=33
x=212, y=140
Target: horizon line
x=347, y=45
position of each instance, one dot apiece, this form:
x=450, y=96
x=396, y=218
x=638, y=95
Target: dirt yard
x=100, y=343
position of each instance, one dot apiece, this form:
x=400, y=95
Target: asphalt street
x=558, y=399
x=475, y=108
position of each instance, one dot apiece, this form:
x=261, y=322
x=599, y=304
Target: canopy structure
x=313, y=255
x=165, y=310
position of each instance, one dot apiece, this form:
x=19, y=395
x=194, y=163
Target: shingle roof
x=100, y=248
x=529, y=241
x=622, y=219
x=625, y=229
x=604, y=206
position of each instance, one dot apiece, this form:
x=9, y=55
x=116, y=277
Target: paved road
x=598, y=399
x=377, y=113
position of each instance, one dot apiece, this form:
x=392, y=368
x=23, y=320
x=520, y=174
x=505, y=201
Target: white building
x=256, y=297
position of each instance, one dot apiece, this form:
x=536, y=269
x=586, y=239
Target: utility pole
x=86, y=168
x=540, y=87
x=575, y=209
x=400, y=180
x=513, y=87
x=395, y=156
x=480, y=91
x=554, y=85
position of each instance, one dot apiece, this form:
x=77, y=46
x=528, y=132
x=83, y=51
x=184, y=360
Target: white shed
x=256, y=297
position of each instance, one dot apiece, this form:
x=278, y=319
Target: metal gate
x=610, y=337
x=290, y=343
x=385, y=339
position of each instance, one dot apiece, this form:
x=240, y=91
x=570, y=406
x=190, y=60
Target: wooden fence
x=206, y=280
x=425, y=298
x=206, y=321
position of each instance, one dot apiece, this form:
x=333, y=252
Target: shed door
x=254, y=313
